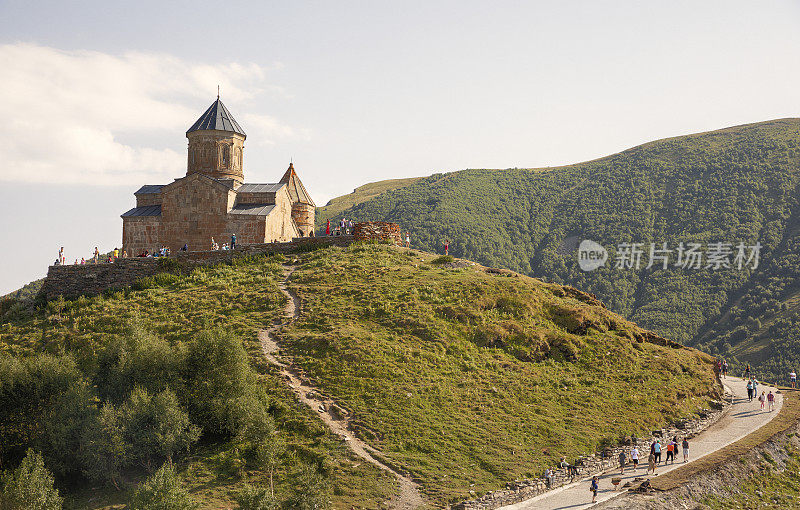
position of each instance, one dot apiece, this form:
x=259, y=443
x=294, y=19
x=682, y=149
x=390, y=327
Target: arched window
x=225, y=160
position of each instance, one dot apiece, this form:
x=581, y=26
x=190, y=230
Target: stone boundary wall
x=521, y=490
x=377, y=231
x=92, y=279
x=71, y=281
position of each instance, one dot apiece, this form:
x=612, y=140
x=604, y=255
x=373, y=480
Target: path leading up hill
x=741, y=419
x=409, y=497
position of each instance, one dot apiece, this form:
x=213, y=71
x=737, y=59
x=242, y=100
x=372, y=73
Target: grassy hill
x=464, y=378
x=736, y=185
x=336, y=206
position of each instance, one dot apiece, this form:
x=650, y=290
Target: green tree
x=30, y=486
x=104, y=451
x=269, y=451
x=139, y=359
x=223, y=394
x=162, y=491
x=155, y=426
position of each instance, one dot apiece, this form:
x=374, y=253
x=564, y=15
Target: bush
x=223, y=392
x=444, y=259
x=162, y=491
x=155, y=427
x=311, y=490
x=251, y=498
x=31, y=394
x=30, y=486
x=139, y=359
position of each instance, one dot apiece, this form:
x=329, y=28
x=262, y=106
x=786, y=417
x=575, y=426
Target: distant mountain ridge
x=738, y=184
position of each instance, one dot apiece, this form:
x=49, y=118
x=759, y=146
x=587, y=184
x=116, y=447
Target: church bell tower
x=216, y=145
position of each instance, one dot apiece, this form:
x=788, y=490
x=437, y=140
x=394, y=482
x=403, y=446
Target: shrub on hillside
x=155, y=427
x=162, y=491
x=444, y=259
x=139, y=359
x=252, y=498
x=223, y=394
x=29, y=486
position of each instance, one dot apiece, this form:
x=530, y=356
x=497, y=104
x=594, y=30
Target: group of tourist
x=764, y=397
x=672, y=448
x=345, y=227
x=164, y=251
x=722, y=368
x=225, y=246
x=96, y=258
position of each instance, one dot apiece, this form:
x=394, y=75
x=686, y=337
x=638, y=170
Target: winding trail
x=741, y=419
x=336, y=418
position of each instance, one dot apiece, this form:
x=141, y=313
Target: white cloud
x=95, y=118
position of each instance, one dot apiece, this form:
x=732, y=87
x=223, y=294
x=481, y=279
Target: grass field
x=463, y=378
x=469, y=379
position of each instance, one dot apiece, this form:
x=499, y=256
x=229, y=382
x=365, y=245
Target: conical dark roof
x=297, y=191
x=217, y=117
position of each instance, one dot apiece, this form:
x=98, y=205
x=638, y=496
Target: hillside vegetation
x=336, y=206
x=733, y=185
x=464, y=378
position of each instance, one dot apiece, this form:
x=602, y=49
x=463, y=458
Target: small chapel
x=213, y=201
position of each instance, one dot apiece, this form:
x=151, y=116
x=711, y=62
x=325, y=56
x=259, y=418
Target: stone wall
x=377, y=231
x=194, y=209
x=92, y=279
x=521, y=490
x=140, y=233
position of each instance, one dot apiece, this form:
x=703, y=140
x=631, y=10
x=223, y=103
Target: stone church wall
x=140, y=233
x=145, y=199
x=194, y=210
x=278, y=224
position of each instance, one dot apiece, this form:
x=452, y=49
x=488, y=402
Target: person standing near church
x=233, y=241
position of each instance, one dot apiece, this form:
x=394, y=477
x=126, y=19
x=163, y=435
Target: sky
x=97, y=96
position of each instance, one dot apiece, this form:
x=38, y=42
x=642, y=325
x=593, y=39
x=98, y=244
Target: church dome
x=218, y=118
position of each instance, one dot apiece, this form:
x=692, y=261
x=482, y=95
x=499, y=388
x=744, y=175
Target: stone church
x=213, y=200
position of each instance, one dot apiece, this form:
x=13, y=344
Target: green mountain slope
x=464, y=378
x=336, y=206
x=733, y=185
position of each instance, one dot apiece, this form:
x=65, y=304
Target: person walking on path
x=670, y=452
x=755, y=387
x=771, y=400
x=724, y=369
x=793, y=378
x=657, y=451
x=594, y=487
x=548, y=477
x=762, y=398
x=635, y=457
x=328, y=228
x=749, y=390
x=747, y=371
x=651, y=463
x=622, y=459
x=233, y=241
x=685, y=448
